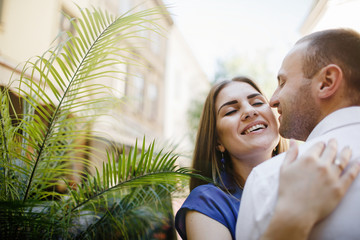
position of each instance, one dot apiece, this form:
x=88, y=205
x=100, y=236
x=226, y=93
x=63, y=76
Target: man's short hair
x=334, y=46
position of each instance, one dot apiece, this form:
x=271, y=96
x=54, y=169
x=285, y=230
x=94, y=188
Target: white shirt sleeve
x=258, y=199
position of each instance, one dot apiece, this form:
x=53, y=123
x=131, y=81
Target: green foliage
x=38, y=145
x=194, y=115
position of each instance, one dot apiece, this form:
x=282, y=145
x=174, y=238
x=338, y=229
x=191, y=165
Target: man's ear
x=329, y=81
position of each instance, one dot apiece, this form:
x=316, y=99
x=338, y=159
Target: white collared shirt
x=260, y=192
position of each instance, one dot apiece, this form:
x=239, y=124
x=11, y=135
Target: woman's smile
x=245, y=123
x=255, y=127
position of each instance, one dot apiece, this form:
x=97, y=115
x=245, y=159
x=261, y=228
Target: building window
x=119, y=82
x=152, y=93
x=139, y=83
x=124, y=6
x=1, y=10
x=155, y=43
x=65, y=25
x=127, y=80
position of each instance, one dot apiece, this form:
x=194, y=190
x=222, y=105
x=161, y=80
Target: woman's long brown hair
x=206, y=157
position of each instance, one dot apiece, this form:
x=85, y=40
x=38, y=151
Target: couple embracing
x=266, y=189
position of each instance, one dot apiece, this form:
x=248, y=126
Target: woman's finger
x=349, y=176
x=315, y=150
x=330, y=151
x=291, y=153
x=341, y=162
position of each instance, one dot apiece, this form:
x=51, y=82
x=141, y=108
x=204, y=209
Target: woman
x=237, y=131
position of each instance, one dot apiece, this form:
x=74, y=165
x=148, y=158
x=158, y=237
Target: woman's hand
x=310, y=188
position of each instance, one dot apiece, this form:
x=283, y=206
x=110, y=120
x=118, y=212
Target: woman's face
x=245, y=124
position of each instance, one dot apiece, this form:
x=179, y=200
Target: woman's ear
x=220, y=147
x=329, y=81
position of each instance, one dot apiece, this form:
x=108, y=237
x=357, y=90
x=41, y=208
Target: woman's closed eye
x=230, y=112
x=258, y=103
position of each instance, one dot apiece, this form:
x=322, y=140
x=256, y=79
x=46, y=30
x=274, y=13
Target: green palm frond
x=29, y=220
x=61, y=98
x=8, y=149
x=143, y=181
x=133, y=170
x=142, y=212
x=66, y=85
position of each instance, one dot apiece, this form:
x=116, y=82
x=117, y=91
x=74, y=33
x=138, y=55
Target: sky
x=217, y=29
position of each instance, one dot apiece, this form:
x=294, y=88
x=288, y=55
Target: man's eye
x=230, y=112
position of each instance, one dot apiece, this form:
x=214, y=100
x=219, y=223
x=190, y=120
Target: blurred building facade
x=184, y=86
x=156, y=94
x=326, y=14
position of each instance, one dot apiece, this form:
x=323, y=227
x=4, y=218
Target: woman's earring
x=222, y=160
x=275, y=151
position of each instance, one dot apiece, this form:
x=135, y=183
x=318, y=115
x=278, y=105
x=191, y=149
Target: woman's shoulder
x=207, y=192
x=208, y=196
x=211, y=201
x=205, y=188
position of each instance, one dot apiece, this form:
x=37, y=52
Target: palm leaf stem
x=52, y=120
x=132, y=180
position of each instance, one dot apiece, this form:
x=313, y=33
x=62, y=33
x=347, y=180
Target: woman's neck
x=242, y=168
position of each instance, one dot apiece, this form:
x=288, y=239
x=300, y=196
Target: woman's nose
x=249, y=113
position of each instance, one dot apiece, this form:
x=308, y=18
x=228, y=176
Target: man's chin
x=286, y=133
x=290, y=134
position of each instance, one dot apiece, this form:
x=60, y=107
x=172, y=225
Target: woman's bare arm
x=200, y=226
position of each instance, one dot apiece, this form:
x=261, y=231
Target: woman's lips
x=252, y=127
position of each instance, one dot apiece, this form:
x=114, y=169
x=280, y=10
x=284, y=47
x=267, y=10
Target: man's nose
x=274, y=100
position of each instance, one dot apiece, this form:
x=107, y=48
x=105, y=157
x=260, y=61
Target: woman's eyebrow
x=228, y=103
x=253, y=95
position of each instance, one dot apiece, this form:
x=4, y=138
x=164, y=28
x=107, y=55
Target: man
x=318, y=99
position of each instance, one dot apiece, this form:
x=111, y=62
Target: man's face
x=294, y=99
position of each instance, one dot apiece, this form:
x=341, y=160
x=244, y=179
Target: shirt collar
x=339, y=118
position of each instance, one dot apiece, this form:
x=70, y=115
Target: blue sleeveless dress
x=214, y=203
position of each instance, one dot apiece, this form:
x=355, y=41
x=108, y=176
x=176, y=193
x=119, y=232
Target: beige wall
x=327, y=14
x=185, y=82
x=23, y=35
